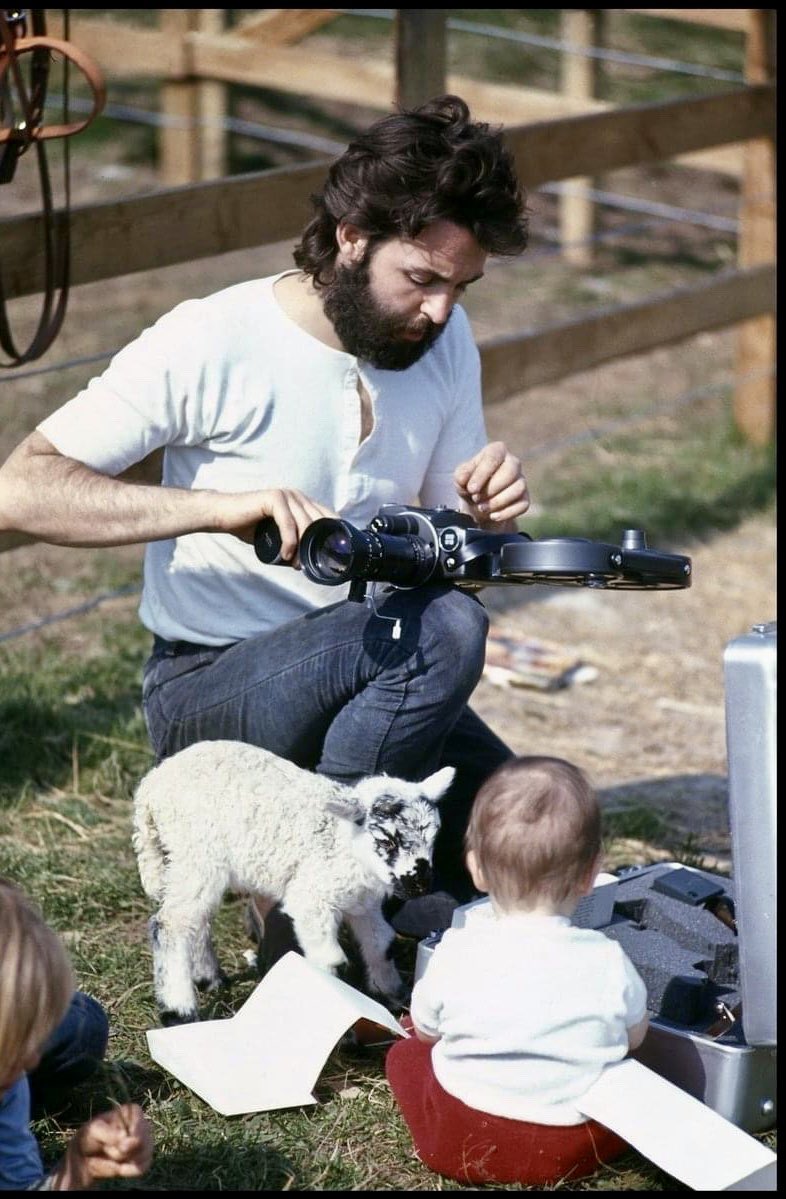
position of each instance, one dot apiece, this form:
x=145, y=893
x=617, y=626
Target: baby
x=517, y=1015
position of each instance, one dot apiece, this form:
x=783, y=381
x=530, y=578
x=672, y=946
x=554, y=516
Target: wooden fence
x=202, y=219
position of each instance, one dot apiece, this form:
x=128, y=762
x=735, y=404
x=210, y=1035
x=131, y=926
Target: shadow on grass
x=113, y=1082
x=684, y=814
x=210, y=1160
x=42, y=735
x=220, y=1166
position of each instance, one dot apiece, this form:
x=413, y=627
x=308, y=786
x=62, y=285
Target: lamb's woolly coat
x=225, y=815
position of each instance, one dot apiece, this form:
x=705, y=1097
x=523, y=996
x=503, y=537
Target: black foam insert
x=687, y=957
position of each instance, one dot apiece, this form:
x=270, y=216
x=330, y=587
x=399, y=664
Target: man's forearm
x=58, y=500
x=61, y=501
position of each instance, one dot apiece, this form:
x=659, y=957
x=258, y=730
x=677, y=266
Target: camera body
x=405, y=546
x=408, y=547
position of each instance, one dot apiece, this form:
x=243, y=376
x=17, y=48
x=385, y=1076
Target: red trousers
x=472, y=1146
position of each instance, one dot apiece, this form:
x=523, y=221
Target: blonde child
x=517, y=1015
x=36, y=989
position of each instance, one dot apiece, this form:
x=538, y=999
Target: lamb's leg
x=180, y=933
x=174, y=990
x=375, y=938
x=205, y=969
x=316, y=925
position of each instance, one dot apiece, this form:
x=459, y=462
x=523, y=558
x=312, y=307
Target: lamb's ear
x=435, y=786
x=346, y=807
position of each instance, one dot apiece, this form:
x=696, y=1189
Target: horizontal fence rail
x=645, y=133
x=230, y=57
x=200, y=220
x=519, y=361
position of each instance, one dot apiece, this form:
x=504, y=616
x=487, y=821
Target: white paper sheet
x=270, y=1053
x=678, y=1133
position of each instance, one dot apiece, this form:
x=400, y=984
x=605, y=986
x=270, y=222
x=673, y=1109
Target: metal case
x=750, y=666
x=737, y=1081
x=735, y=1073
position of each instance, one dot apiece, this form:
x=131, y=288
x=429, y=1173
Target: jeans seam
x=391, y=719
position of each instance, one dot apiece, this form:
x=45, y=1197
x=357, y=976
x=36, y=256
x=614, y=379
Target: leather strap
x=11, y=49
x=25, y=129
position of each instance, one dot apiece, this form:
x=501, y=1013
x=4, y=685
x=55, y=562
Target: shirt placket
x=350, y=437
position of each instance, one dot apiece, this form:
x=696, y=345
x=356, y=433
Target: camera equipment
x=412, y=546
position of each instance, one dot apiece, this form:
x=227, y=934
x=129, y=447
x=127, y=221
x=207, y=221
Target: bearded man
x=349, y=382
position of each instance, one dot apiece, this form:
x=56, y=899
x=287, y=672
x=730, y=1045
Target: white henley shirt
x=242, y=398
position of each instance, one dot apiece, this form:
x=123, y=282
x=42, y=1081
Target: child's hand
x=116, y=1144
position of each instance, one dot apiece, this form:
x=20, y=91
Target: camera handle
x=357, y=592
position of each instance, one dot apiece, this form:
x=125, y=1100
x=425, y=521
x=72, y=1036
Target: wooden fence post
x=211, y=107
x=193, y=148
x=420, y=55
x=178, y=142
x=579, y=77
x=754, y=396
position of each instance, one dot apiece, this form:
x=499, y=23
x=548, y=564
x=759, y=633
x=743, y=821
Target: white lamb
x=224, y=815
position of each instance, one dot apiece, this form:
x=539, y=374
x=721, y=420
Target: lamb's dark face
x=402, y=833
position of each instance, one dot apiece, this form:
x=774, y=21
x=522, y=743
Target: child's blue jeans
x=71, y=1055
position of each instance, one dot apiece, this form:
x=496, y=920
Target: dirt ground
x=650, y=726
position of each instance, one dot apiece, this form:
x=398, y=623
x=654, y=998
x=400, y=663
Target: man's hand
x=116, y=1144
x=493, y=488
x=292, y=510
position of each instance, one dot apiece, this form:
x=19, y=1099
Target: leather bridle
x=22, y=103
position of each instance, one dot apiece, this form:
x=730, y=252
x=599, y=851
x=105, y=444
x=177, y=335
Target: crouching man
x=347, y=382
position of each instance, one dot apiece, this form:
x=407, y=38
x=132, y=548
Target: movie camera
x=407, y=547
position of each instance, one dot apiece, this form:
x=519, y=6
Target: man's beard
x=367, y=330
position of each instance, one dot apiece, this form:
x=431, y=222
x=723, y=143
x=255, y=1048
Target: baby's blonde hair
x=535, y=831
x=36, y=981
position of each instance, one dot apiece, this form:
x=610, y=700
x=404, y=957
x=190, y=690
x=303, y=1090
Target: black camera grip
x=267, y=542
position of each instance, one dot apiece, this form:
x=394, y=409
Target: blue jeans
x=350, y=690
x=72, y=1053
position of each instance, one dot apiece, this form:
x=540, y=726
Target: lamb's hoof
x=169, y=1018
x=212, y=984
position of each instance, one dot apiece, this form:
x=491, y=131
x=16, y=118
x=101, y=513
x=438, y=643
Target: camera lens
x=334, y=552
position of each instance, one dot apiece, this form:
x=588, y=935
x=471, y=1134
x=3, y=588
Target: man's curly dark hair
x=413, y=168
